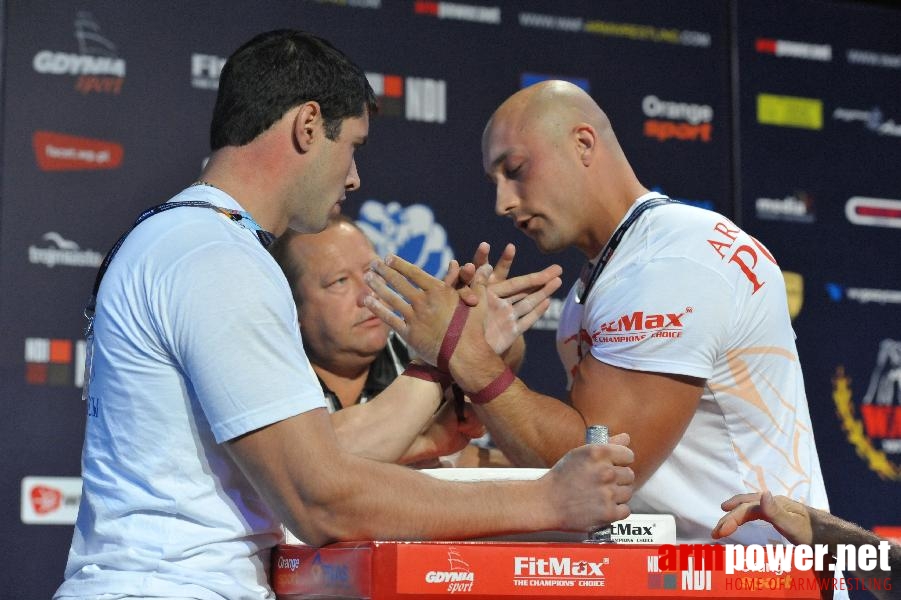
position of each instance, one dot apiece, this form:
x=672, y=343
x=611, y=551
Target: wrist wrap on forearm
x=495, y=388
x=452, y=336
x=428, y=373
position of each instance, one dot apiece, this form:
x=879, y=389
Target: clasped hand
x=419, y=307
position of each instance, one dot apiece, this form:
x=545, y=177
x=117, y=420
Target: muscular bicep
x=653, y=408
x=286, y=462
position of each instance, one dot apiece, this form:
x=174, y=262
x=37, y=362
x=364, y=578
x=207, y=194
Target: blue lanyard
x=585, y=285
x=239, y=216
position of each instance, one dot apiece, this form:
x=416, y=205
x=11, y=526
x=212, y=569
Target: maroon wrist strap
x=495, y=388
x=452, y=336
x=428, y=373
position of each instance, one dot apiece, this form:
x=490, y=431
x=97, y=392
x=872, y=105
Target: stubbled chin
x=545, y=244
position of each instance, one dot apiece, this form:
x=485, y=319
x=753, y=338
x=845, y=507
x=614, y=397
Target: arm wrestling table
x=495, y=569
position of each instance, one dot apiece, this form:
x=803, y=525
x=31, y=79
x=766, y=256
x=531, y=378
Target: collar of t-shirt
x=384, y=369
x=381, y=373
x=216, y=196
x=635, y=204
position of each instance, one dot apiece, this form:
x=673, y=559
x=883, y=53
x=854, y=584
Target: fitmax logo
x=555, y=567
x=638, y=321
x=629, y=529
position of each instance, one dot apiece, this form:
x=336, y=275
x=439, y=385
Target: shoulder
x=176, y=234
x=679, y=221
x=670, y=244
x=189, y=253
x=696, y=238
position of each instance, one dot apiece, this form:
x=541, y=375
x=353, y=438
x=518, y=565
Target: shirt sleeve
x=234, y=329
x=667, y=315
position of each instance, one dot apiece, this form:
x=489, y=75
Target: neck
x=246, y=188
x=346, y=385
x=255, y=175
x=607, y=215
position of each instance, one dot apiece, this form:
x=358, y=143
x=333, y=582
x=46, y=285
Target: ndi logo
x=409, y=232
x=413, y=98
x=54, y=362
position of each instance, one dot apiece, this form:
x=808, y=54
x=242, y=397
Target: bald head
x=551, y=107
x=558, y=169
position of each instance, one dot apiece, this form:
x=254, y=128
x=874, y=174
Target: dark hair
x=278, y=70
x=286, y=259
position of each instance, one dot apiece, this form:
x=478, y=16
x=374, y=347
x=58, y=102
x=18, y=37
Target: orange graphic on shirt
x=746, y=389
x=583, y=340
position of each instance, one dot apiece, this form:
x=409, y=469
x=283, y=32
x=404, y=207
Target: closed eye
x=513, y=172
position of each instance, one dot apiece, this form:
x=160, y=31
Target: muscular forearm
x=384, y=428
x=389, y=502
x=372, y=502
x=324, y=494
x=531, y=429
x=377, y=513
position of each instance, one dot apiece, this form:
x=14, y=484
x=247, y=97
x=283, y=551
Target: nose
x=363, y=291
x=505, y=200
x=352, y=182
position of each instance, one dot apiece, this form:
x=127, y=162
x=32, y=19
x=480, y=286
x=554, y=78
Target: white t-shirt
x=196, y=343
x=688, y=293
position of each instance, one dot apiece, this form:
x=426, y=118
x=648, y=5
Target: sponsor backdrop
x=819, y=137
x=784, y=118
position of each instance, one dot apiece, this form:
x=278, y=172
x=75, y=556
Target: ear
x=307, y=125
x=586, y=142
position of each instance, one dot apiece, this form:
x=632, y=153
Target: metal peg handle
x=599, y=434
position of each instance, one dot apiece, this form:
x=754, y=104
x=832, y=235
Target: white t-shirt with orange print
x=688, y=293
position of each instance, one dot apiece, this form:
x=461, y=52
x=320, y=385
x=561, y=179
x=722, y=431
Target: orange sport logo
x=669, y=120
